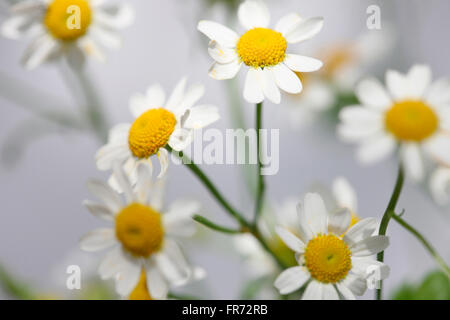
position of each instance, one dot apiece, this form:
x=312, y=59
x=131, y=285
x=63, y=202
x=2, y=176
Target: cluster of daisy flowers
x=329, y=247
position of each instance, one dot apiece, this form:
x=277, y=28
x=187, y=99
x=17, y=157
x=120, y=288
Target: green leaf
x=435, y=286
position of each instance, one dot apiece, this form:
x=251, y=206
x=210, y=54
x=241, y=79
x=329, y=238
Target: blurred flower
x=343, y=66
x=263, y=50
x=440, y=185
x=327, y=259
x=413, y=113
x=49, y=23
x=142, y=237
x=158, y=124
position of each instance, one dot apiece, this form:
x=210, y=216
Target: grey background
x=41, y=217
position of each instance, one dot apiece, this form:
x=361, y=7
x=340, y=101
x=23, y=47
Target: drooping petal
x=178, y=220
x=110, y=153
x=163, y=156
x=253, y=87
x=302, y=63
x=105, y=193
x=39, y=51
x=270, y=88
x=220, y=54
x=291, y=279
x=344, y=194
x=290, y=239
x=99, y=210
x=180, y=139
x=172, y=263
x=225, y=71
x=286, y=79
x=156, y=283
x=369, y=246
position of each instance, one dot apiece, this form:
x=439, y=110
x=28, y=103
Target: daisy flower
x=142, y=236
x=262, y=50
x=73, y=28
x=158, y=123
x=413, y=113
x=333, y=259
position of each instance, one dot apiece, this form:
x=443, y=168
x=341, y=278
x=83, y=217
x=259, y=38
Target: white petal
x=110, y=153
x=99, y=210
x=356, y=284
x=365, y=266
x=370, y=92
x=16, y=26
x=375, y=149
x=440, y=185
x=369, y=246
x=155, y=96
x=104, y=192
x=412, y=160
x=202, y=116
x=314, y=291
x=439, y=148
x=290, y=239
x=138, y=104
x=178, y=220
x=225, y=71
x=304, y=30
x=286, y=79
x=176, y=98
x=144, y=181
x=39, y=51
x=305, y=232
x=156, y=283
x=107, y=37
x=344, y=194
x=346, y=292
x=127, y=278
x=439, y=92
x=361, y=230
x=356, y=132
x=172, y=263
x=397, y=85
x=253, y=92
x=119, y=133
x=253, y=14
x=180, y=139
x=270, y=88
x=302, y=63
x=221, y=34
x=315, y=213
x=287, y=23
x=90, y=48
x=339, y=221
x=118, y=16
x=291, y=279
x=98, y=239
x=123, y=181
x=193, y=94
x=112, y=263
x=221, y=54
x=360, y=115
x=329, y=292
x=419, y=79
x=163, y=156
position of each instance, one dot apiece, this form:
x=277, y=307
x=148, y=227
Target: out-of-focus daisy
x=331, y=265
x=440, y=185
x=345, y=197
x=158, y=123
x=73, y=28
x=262, y=50
x=142, y=238
x=412, y=113
x=343, y=66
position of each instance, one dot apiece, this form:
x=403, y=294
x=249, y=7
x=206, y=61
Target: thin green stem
x=387, y=216
x=214, y=226
x=439, y=260
x=261, y=186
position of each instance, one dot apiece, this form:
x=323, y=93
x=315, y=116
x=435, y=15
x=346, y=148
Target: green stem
x=439, y=260
x=387, y=216
x=261, y=185
x=214, y=226
x=13, y=287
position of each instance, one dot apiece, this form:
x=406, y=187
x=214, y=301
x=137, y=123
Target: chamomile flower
x=142, y=237
x=333, y=260
x=413, y=113
x=263, y=50
x=73, y=28
x=158, y=123
x=440, y=185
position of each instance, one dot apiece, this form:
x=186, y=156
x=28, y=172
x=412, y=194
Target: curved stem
x=387, y=216
x=439, y=260
x=261, y=185
x=209, y=224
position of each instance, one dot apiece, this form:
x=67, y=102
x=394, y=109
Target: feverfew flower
x=159, y=123
x=413, y=113
x=333, y=259
x=262, y=50
x=73, y=28
x=141, y=240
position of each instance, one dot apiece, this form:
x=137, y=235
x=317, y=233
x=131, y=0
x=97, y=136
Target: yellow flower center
x=150, y=132
x=328, y=258
x=140, y=292
x=411, y=120
x=68, y=20
x=139, y=229
x=261, y=47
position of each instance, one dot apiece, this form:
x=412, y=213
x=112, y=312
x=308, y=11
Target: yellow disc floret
x=140, y=292
x=262, y=47
x=411, y=120
x=150, y=132
x=68, y=20
x=139, y=229
x=328, y=258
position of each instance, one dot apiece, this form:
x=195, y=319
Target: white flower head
x=141, y=241
x=413, y=113
x=262, y=50
x=333, y=259
x=158, y=123
x=71, y=28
